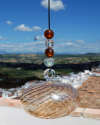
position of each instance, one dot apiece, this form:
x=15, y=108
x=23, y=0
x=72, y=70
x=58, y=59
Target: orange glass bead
x=49, y=52
x=49, y=34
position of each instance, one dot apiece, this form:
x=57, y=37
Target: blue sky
x=76, y=25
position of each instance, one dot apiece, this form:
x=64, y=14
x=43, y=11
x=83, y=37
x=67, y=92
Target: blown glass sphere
x=52, y=73
x=49, y=52
x=49, y=43
x=49, y=34
x=49, y=100
x=49, y=62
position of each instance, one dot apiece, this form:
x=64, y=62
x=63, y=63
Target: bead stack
x=49, y=52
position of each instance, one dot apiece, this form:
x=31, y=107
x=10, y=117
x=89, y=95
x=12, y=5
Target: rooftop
x=89, y=93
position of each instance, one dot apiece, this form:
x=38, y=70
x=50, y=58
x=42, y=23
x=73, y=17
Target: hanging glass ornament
x=49, y=99
x=49, y=52
x=49, y=62
x=49, y=43
x=49, y=34
x=46, y=74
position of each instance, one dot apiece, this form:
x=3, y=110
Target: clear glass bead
x=49, y=62
x=49, y=43
x=46, y=74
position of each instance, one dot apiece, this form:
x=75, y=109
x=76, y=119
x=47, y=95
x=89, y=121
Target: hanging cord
x=49, y=12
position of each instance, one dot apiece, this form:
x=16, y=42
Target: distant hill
x=70, y=53
x=3, y=52
x=92, y=54
x=67, y=53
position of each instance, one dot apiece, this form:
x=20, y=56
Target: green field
x=14, y=73
x=59, y=59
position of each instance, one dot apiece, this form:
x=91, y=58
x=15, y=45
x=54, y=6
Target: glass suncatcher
x=50, y=99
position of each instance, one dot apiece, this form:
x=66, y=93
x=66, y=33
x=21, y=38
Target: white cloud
x=64, y=40
x=28, y=38
x=54, y=5
x=40, y=37
x=61, y=40
x=40, y=43
x=8, y=43
x=64, y=47
x=80, y=41
x=68, y=40
x=43, y=36
x=9, y=22
x=69, y=43
x=29, y=48
x=4, y=38
x=23, y=28
x=14, y=48
x=64, y=44
x=44, y=30
x=23, y=47
x=36, y=28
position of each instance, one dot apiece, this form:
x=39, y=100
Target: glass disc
x=46, y=74
x=49, y=62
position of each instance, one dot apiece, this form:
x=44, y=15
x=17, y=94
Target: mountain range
x=70, y=53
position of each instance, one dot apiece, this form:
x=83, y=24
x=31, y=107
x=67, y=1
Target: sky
x=75, y=23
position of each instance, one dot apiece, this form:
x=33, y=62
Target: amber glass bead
x=49, y=52
x=49, y=34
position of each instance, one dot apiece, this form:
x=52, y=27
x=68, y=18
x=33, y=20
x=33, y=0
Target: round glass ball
x=49, y=52
x=49, y=62
x=49, y=100
x=49, y=43
x=49, y=34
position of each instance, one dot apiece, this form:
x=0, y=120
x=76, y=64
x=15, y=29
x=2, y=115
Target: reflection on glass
x=49, y=62
x=49, y=43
